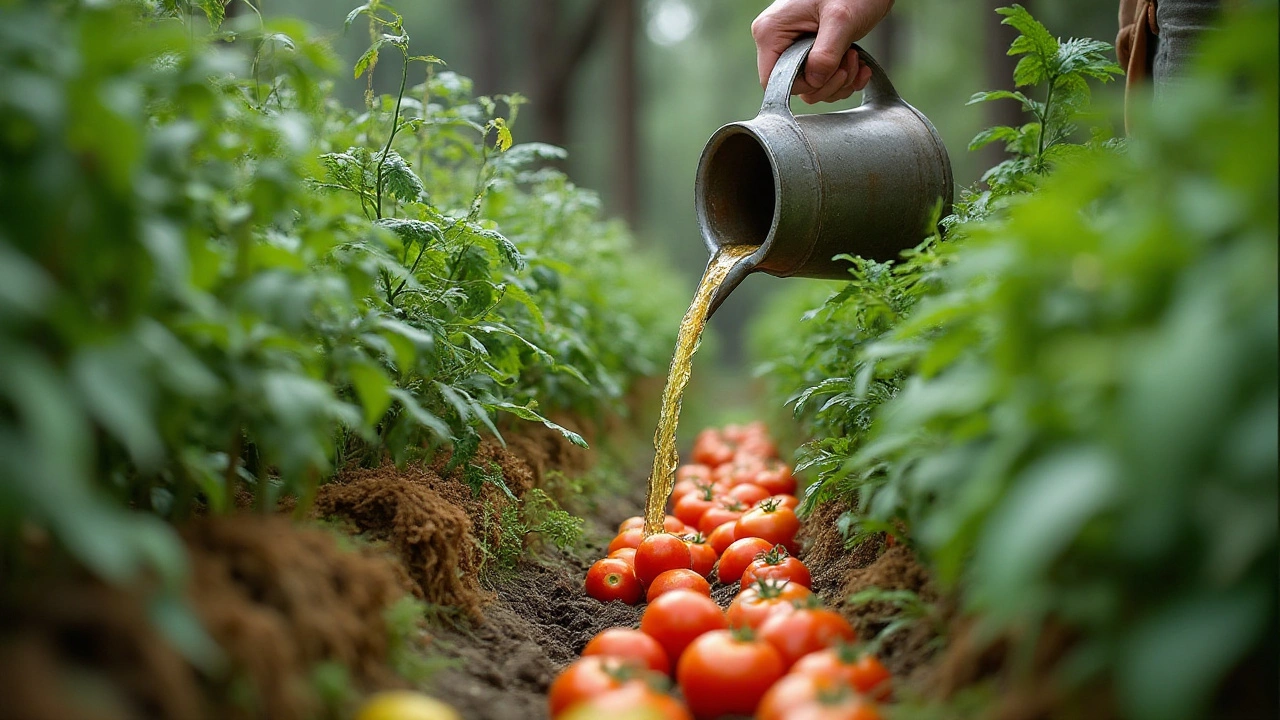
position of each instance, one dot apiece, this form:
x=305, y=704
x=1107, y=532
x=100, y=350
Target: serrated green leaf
x=528, y=413
x=420, y=416
x=999, y=133
x=990, y=95
x=400, y=179
x=373, y=388
x=412, y=232
x=214, y=10
x=1035, y=38
x=520, y=295
x=369, y=58
x=506, y=249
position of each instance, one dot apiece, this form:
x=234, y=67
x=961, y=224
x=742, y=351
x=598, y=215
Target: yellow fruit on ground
x=405, y=705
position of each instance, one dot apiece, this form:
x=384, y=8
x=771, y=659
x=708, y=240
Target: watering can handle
x=777, y=95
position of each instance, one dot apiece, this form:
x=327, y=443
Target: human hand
x=832, y=71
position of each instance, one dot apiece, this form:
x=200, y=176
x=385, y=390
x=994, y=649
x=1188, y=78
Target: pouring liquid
x=665, y=459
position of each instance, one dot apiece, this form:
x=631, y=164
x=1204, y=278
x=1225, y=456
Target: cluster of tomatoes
x=776, y=653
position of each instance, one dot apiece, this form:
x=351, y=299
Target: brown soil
x=73, y=648
x=839, y=572
x=428, y=530
x=538, y=624
x=825, y=553
x=278, y=599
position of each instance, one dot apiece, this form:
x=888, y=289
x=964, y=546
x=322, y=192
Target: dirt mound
x=896, y=569
x=429, y=532
x=280, y=600
x=72, y=648
x=825, y=553
x=277, y=599
x=839, y=572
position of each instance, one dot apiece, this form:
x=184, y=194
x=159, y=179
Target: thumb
x=835, y=35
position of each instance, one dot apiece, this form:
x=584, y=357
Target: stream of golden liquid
x=665, y=459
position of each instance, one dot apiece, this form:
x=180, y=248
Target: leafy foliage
x=1063, y=69
x=535, y=518
x=216, y=278
x=1071, y=402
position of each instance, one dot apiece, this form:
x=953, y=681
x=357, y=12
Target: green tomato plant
x=1069, y=402
x=217, y=279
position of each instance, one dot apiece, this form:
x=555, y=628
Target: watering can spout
x=736, y=274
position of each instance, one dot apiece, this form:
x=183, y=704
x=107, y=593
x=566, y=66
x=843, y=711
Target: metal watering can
x=805, y=188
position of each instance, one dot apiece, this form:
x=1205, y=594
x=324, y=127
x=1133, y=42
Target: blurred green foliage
x=214, y=276
x=1070, y=403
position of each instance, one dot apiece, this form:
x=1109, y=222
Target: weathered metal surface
x=806, y=188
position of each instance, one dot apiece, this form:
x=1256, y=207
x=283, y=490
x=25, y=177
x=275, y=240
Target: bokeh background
x=633, y=88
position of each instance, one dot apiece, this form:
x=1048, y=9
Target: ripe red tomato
x=590, y=677
x=678, y=579
x=808, y=629
x=770, y=522
x=659, y=553
x=631, y=645
x=742, y=469
x=762, y=601
x=755, y=428
x=722, y=537
x=676, y=618
x=777, y=564
x=725, y=510
x=629, y=538
x=626, y=554
x=784, y=500
x=735, y=558
x=701, y=554
x=673, y=524
x=684, y=487
x=694, y=472
x=733, y=432
x=721, y=674
x=710, y=449
x=842, y=663
x=613, y=579
x=761, y=448
x=748, y=493
x=693, y=506
x=635, y=521
x=632, y=701
x=776, y=477
x=808, y=697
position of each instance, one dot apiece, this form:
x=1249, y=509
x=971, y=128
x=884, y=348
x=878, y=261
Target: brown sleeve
x=1134, y=44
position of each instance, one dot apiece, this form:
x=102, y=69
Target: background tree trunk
x=555, y=59
x=999, y=65
x=487, y=44
x=627, y=111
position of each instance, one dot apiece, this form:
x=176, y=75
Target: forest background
x=633, y=89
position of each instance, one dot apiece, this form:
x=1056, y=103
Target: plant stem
x=1044, y=121
x=395, y=122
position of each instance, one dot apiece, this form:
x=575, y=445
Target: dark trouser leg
x=1181, y=24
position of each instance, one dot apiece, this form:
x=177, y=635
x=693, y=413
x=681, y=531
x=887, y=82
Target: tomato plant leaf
x=528, y=413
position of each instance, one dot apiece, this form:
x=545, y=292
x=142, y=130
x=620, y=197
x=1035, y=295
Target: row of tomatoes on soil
x=776, y=653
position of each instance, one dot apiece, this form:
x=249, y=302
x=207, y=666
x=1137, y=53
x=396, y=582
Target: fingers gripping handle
x=777, y=95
